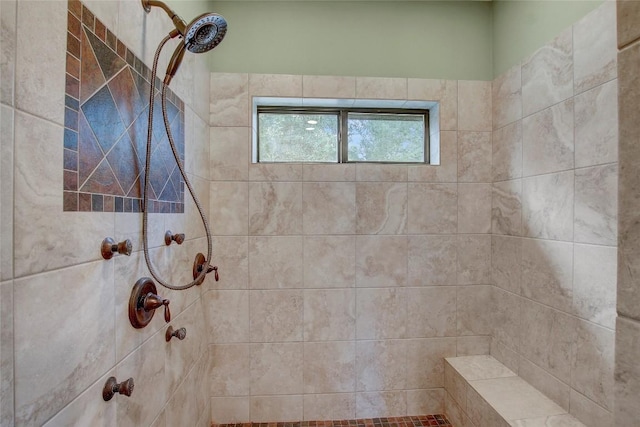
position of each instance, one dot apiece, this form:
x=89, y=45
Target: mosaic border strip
x=409, y=421
x=79, y=19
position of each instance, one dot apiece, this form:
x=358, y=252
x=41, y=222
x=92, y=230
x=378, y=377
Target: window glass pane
x=297, y=137
x=375, y=137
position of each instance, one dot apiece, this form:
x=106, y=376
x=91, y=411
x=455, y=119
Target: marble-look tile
x=547, y=272
x=548, y=140
x=6, y=354
x=231, y=256
x=381, y=313
x=506, y=160
x=228, y=210
x=329, y=314
x=281, y=408
x=381, y=208
x=381, y=261
x=275, y=85
x=276, y=368
x=40, y=90
x=554, y=389
x=474, y=208
x=629, y=89
x=432, y=260
x=592, y=370
x=275, y=208
x=455, y=385
x=507, y=97
x=275, y=262
x=474, y=259
x=596, y=125
x=6, y=190
x=433, y=208
x=191, y=222
x=506, y=259
x=181, y=358
x=507, y=325
x=506, y=210
x=60, y=355
x=230, y=410
x=431, y=312
x=481, y=413
x=327, y=173
x=547, y=206
x=447, y=170
x=227, y=315
x=381, y=365
x=329, y=207
x=474, y=106
x=627, y=20
x=473, y=368
x=180, y=409
x=198, y=148
x=548, y=339
x=474, y=156
x=381, y=404
x=331, y=406
x=329, y=367
x=430, y=401
x=7, y=50
x=229, y=105
x=229, y=153
x=275, y=172
x=381, y=172
x=276, y=315
x=594, y=48
x=565, y=420
x=37, y=189
x=229, y=366
x=588, y=412
x=594, y=284
x=596, y=202
x=627, y=371
x=455, y=413
x=474, y=310
x=146, y=366
x=86, y=410
x=473, y=345
x=425, y=362
x=328, y=87
x=443, y=91
x=334, y=254
x=547, y=75
x=381, y=88
x=513, y=398
x=505, y=355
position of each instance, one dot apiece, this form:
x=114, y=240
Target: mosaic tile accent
x=414, y=421
x=105, y=135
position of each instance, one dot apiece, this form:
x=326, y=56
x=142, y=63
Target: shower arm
x=181, y=26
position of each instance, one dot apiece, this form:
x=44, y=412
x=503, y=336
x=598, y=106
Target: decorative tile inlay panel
x=105, y=136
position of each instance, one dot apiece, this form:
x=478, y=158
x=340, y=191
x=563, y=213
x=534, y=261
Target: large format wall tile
x=329, y=207
x=506, y=262
x=594, y=48
x=627, y=372
x=553, y=388
x=474, y=310
x=381, y=208
x=276, y=368
x=329, y=406
x=6, y=192
x=381, y=88
x=508, y=323
x=587, y=411
x=381, y=312
x=53, y=366
x=447, y=170
x=267, y=408
x=594, y=283
x=381, y=404
x=547, y=75
x=276, y=315
x=329, y=367
x=228, y=207
x=433, y=208
x=225, y=361
x=275, y=262
x=627, y=20
x=432, y=260
x=227, y=314
x=548, y=140
x=474, y=106
x=474, y=156
x=443, y=91
x=229, y=99
x=275, y=208
x=329, y=314
x=596, y=202
x=381, y=261
x=421, y=375
x=547, y=206
x=474, y=259
x=380, y=365
x=6, y=354
x=328, y=87
x=506, y=210
x=8, y=50
x=229, y=153
x=507, y=152
x=507, y=97
x=334, y=254
x=474, y=208
x=275, y=85
x=431, y=312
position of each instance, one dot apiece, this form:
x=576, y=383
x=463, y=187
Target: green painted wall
x=521, y=27
x=475, y=40
x=357, y=38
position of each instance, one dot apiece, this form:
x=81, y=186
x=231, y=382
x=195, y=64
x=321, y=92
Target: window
x=340, y=135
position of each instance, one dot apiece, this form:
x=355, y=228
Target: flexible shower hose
x=145, y=197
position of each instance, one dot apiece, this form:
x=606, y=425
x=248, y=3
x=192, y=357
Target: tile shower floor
x=415, y=421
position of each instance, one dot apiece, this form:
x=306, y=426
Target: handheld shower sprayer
x=201, y=35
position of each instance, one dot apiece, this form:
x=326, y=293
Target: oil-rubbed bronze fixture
x=111, y=387
x=110, y=247
x=198, y=265
x=143, y=303
x=169, y=237
x=178, y=333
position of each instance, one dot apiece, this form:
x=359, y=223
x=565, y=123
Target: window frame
x=342, y=114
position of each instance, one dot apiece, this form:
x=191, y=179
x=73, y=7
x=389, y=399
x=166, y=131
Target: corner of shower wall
x=554, y=217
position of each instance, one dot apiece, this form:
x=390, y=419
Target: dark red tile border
x=439, y=420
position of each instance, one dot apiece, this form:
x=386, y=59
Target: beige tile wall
x=346, y=284
x=627, y=372
x=63, y=310
x=554, y=217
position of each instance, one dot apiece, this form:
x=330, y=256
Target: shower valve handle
x=153, y=301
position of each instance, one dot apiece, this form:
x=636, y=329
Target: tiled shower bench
x=482, y=392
